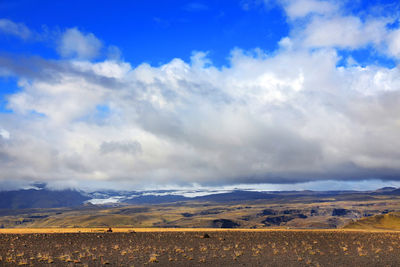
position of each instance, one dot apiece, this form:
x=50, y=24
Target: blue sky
x=157, y=31
x=199, y=92
x=152, y=31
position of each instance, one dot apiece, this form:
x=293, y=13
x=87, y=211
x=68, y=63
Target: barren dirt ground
x=194, y=248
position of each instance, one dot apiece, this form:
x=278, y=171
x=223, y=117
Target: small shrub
x=23, y=262
x=153, y=258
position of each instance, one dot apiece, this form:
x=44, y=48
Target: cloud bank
x=288, y=116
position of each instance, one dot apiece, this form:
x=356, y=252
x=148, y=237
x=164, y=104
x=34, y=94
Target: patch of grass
x=389, y=221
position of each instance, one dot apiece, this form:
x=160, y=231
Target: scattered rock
x=206, y=235
x=340, y=212
x=268, y=212
x=277, y=220
x=293, y=211
x=224, y=223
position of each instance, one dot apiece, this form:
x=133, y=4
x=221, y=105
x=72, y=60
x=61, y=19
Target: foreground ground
x=94, y=247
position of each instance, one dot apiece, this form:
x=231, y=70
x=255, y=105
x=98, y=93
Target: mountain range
x=46, y=198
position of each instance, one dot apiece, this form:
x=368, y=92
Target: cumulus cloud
x=293, y=115
x=322, y=24
x=344, y=32
x=16, y=29
x=296, y=9
x=74, y=43
x=256, y=121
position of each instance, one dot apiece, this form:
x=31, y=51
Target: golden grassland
x=127, y=230
x=204, y=215
x=378, y=222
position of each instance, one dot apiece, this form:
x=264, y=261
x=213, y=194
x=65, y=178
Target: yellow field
x=387, y=221
x=127, y=230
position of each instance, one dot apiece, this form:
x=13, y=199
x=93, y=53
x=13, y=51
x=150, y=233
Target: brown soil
x=191, y=248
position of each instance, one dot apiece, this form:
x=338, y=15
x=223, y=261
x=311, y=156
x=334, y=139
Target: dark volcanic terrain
x=237, y=209
x=223, y=248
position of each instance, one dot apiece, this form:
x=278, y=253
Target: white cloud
x=16, y=29
x=344, y=32
x=301, y=8
x=394, y=43
x=4, y=134
x=289, y=117
x=74, y=43
x=328, y=24
x=67, y=100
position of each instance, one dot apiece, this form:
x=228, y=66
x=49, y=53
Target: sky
x=281, y=94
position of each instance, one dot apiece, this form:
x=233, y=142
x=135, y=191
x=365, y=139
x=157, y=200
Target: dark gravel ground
x=272, y=248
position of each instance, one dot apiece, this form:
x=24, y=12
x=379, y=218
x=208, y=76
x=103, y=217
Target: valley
x=237, y=209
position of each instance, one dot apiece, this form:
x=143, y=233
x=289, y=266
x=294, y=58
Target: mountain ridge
x=46, y=198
